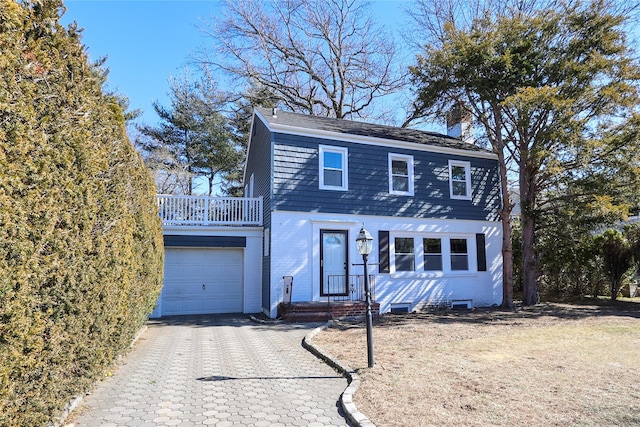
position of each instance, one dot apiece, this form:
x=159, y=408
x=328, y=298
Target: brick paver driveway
x=217, y=370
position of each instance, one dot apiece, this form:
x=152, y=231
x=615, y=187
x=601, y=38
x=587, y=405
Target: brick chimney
x=460, y=123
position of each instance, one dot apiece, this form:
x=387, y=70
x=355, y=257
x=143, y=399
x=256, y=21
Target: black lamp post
x=365, y=245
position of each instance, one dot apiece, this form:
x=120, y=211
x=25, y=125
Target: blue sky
x=148, y=41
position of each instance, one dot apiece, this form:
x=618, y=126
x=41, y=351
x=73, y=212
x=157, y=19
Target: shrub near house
x=80, y=240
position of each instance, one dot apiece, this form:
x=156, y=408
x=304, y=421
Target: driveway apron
x=217, y=370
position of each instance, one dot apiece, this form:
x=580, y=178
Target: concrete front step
x=306, y=317
x=321, y=311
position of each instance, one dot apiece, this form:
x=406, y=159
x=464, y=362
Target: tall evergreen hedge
x=80, y=239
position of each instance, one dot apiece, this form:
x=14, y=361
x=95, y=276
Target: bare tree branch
x=317, y=57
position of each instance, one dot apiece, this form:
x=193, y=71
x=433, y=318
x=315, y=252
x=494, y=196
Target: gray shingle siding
x=259, y=164
x=296, y=182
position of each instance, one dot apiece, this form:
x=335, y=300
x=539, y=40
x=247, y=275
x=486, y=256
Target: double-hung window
x=459, y=255
x=400, y=174
x=435, y=255
x=333, y=168
x=460, y=180
x=432, y=254
x=404, y=254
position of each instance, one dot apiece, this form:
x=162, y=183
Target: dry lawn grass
x=550, y=365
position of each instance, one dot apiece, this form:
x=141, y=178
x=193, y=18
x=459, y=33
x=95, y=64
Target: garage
x=202, y=281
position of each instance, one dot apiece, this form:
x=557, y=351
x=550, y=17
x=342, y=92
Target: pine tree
x=554, y=92
x=193, y=138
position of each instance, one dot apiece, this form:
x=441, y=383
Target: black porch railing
x=347, y=288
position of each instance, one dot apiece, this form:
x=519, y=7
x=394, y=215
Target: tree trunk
x=505, y=213
x=507, y=246
x=529, y=262
x=507, y=262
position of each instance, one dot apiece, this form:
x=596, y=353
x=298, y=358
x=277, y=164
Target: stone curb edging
x=356, y=417
x=141, y=331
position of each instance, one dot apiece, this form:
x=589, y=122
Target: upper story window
x=401, y=174
x=333, y=168
x=460, y=180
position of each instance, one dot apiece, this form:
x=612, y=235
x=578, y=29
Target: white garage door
x=202, y=281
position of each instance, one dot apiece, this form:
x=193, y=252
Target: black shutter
x=482, y=252
x=383, y=252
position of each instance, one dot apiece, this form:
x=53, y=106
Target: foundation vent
x=461, y=304
x=402, y=307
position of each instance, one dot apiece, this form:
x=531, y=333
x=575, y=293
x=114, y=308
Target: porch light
x=364, y=242
x=365, y=245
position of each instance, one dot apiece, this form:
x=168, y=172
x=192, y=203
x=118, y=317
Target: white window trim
x=467, y=175
x=409, y=160
x=267, y=242
x=345, y=167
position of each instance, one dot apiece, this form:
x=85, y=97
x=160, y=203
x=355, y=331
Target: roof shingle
x=349, y=127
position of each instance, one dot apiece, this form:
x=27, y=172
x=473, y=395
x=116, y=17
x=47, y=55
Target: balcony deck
x=209, y=211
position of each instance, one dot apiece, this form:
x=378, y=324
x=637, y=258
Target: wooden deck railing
x=205, y=210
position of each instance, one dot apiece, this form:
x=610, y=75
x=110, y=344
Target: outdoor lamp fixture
x=364, y=243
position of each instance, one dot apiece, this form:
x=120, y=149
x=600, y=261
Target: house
x=430, y=201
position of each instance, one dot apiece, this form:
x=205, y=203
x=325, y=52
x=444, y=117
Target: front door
x=333, y=262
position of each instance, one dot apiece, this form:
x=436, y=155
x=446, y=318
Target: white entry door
x=333, y=262
x=202, y=281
